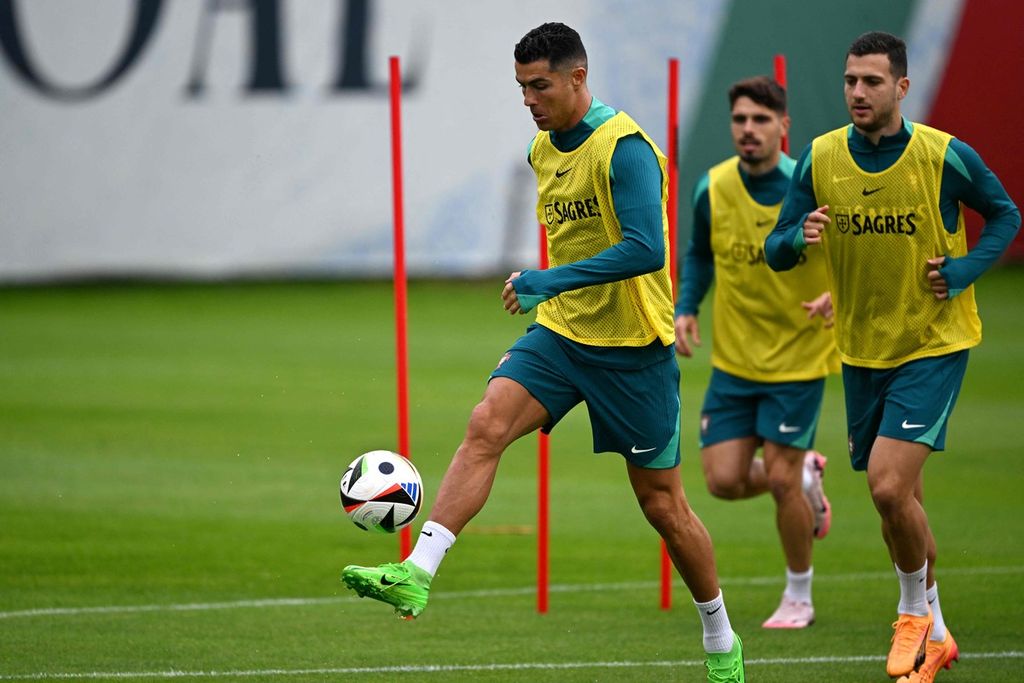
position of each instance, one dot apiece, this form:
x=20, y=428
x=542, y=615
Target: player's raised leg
x=731, y=471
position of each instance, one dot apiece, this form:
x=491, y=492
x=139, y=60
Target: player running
x=881, y=201
x=769, y=355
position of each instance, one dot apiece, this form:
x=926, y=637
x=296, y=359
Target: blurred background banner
x=249, y=138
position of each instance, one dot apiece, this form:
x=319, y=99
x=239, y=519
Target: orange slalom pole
x=401, y=301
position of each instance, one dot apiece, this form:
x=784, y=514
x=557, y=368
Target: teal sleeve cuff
x=798, y=239
x=528, y=302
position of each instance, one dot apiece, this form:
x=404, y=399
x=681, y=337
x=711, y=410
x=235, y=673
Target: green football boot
x=726, y=667
x=400, y=584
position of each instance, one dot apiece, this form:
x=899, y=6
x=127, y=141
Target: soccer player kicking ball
x=881, y=201
x=769, y=356
x=603, y=336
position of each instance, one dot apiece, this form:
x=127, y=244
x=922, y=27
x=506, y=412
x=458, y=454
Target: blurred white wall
x=144, y=177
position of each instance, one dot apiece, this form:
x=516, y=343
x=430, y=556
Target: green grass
x=169, y=445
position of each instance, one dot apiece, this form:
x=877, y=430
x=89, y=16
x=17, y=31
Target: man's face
x=757, y=131
x=873, y=94
x=550, y=95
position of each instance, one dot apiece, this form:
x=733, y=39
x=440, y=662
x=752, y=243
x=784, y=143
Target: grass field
x=169, y=461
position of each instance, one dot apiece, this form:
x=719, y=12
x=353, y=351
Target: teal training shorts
x=633, y=412
x=785, y=413
x=911, y=402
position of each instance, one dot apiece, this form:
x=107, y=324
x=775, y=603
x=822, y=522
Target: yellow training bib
x=884, y=227
x=761, y=333
x=575, y=205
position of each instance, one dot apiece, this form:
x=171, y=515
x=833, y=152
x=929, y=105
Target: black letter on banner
x=265, y=75
x=146, y=14
x=353, y=41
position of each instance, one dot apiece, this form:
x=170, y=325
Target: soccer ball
x=381, y=491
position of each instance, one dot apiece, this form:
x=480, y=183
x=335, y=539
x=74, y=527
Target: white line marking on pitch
x=441, y=668
x=482, y=593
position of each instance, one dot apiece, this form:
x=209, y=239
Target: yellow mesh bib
x=761, y=332
x=884, y=227
x=575, y=205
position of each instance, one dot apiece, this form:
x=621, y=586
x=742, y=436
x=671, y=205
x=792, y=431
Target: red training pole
x=673, y=168
x=543, y=452
x=780, y=78
x=673, y=211
x=401, y=318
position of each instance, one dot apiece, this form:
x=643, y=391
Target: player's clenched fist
x=509, y=298
x=815, y=223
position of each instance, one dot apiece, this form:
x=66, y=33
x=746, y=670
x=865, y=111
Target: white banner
x=218, y=138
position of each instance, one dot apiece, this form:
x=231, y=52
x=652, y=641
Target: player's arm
x=636, y=193
x=966, y=178
x=801, y=219
x=698, y=271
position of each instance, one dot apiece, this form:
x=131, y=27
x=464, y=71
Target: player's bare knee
x=488, y=429
x=889, y=497
x=726, y=488
x=664, y=512
x=783, y=484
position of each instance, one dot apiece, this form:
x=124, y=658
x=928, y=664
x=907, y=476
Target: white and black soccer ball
x=381, y=491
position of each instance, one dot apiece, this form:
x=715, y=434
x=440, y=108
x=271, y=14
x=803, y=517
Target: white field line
x=443, y=668
x=483, y=593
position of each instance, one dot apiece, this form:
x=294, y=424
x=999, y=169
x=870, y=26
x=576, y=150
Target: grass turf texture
x=170, y=445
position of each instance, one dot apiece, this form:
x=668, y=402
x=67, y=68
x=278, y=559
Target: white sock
x=912, y=592
x=798, y=585
x=808, y=479
x=431, y=546
x=939, y=629
x=718, y=636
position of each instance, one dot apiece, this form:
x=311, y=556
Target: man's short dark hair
x=882, y=43
x=762, y=90
x=555, y=42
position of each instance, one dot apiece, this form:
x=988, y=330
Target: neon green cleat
x=726, y=667
x=400, y=584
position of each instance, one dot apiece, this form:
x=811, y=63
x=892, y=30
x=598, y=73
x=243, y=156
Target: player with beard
x=770, y=355
x=882, y=201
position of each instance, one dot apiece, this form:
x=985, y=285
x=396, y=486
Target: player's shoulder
x=958, y=156
x=787, y=165
x=836, y=134
x=701, y=189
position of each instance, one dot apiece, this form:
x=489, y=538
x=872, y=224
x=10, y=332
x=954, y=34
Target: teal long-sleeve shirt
x=965, y=178
x=766, y=189
x=636, y=193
